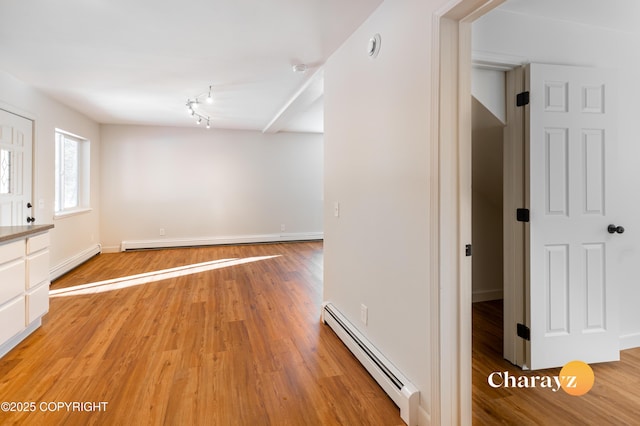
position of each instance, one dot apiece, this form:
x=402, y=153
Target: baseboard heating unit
x=405, y=395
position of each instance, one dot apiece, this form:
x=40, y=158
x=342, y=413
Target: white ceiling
x=616, y=15
x=138, y=61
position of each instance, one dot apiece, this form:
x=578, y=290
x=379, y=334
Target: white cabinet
x=12, y=318
x=12, y=271
x=37, y=303
x=24, y=284
x=12, y=289
x=37, y=270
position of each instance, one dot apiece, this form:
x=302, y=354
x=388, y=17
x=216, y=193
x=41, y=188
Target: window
x=72, y=173
x=5, y=171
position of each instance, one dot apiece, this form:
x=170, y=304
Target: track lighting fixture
x=194, y=107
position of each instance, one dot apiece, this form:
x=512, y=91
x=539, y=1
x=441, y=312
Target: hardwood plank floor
x=222, y=343
x=613, y=400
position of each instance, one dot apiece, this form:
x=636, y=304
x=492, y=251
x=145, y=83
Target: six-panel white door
x=571, y=144
x=16, y=147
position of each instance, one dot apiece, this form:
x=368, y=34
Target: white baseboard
x=74, y=261
x=6, y=347
x=629, y=341
x=212, y=241
x=424, y=418
x=486, y=295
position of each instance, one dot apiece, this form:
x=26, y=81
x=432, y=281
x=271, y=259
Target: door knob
x=615, y=229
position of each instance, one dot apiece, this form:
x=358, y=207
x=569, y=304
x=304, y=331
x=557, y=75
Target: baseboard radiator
x=74, y=261
x=405, y=395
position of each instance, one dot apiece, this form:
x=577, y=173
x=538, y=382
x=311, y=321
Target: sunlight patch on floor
x=149, y=277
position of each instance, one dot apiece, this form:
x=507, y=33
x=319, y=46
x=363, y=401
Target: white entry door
x=16, y=145
x=570, y=145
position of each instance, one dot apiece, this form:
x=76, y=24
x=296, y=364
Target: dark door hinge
x=522, y=99
x=522, y=215
x=523, y=331
x=467, y=250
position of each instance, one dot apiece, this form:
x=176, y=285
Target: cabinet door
x=37, y=269
x=11, y=280
x=37, y=243
x=11, y=251
x=37, y=302
x=12, y=318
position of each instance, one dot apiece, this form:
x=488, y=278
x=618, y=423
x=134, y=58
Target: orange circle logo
x=576, y=378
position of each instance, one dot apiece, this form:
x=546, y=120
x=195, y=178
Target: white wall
x=486, y=139
x=561, y=42
x=207, y=184
x=488, y=87
x=72, y=235
x=377, y=155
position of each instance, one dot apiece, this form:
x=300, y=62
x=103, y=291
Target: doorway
x=455, y=113
x=452, y=77
x=488, y=116
x=488, y=123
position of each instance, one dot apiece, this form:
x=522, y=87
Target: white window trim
x=68, y=213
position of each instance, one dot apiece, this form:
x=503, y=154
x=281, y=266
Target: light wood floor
x=613, y=400
x=238, y=345
x=243, y=345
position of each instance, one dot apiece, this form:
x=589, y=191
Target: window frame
x=83, y=174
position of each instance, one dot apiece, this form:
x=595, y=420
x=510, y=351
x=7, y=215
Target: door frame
x=451, y=227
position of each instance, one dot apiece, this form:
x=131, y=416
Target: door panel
x=556, y=152
x=16, y=145
x=594, y=167
x=594, y=259
x=557, y=288
x=570, y=141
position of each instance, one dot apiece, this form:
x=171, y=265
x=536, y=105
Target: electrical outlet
x=282, y=227
x=336, y=209
x=364, y=314
x=162, y=232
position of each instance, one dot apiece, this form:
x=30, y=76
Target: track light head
x=209, y=97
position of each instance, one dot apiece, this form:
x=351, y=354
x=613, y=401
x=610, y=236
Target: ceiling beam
x=310, y=91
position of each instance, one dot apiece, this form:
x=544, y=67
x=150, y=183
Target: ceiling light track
x=193, y=106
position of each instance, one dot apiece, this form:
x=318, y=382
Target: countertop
x=10, y=233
